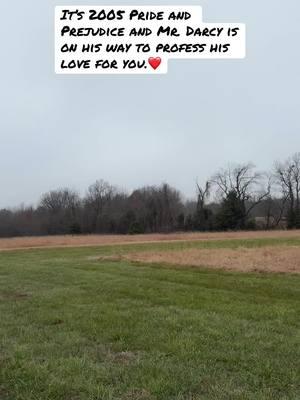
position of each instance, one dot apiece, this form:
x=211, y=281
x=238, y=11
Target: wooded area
x=237, y=197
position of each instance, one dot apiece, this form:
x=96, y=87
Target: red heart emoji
x=154, y=62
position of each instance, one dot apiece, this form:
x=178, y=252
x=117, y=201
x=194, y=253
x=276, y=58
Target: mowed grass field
x=97, y=323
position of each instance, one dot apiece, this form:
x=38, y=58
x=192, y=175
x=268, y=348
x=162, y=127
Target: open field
x=113, y=322
x=104, y=240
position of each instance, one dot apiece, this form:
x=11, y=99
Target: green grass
x=77, y=329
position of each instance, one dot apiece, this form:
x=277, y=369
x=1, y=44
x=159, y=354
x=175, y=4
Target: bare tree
x=202, y=219
x=61, y=208
x=273, y=206
x=157, y=208
x=170, y=206
x=59, y=200
x=244, y=185
x=99, y=194
x=203, y=194
x=287, y=175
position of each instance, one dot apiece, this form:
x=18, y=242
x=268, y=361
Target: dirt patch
x=106, y=240
x=3, y=394
x=13, y=295
x=57, y=322
x=283, y=259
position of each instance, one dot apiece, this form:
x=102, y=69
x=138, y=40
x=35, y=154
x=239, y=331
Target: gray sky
x=60, y=131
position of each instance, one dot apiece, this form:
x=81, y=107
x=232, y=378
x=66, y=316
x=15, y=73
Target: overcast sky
x=59, y=131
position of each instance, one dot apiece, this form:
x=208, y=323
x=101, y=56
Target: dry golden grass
x=104, y=240
x=283, y=259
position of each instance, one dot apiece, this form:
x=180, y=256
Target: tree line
x=237, y=197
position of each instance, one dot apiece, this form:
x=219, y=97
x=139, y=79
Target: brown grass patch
x=282, y=259
x=105, y=240
x=138, y=394
x=124, y=357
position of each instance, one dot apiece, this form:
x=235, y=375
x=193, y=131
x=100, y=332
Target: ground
x=105, y=240
x=111, y=321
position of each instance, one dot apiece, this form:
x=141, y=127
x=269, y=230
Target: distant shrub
x=136, y=228
x=75, y=228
